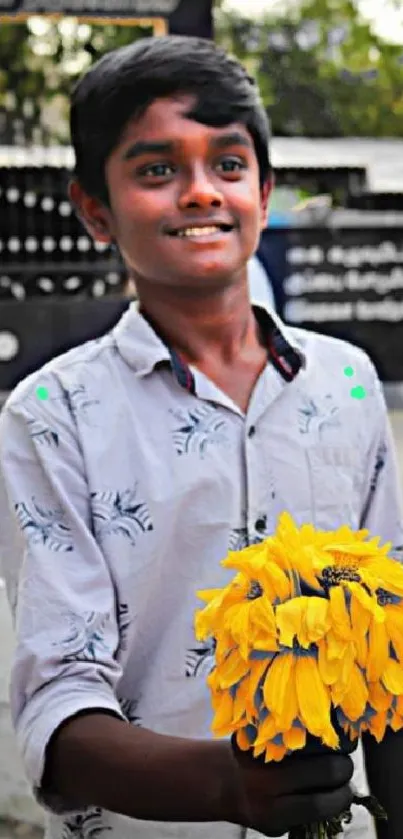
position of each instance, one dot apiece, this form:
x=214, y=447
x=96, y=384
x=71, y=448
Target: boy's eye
x=157, y=170
x=232, y=164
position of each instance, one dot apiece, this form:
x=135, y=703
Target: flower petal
x=355, y=698
x=224, y=713
x=272, y=575
x=274, y=752
x=243, y=740
x=258, y=669
x=289, y=711
x=389, y=572
x=378, y=651
x=263, y=617
x=276, y=683
x=340, y=618
x=243, y=701
x=313, y=697
x=329, y=668
x=232, y=670
x=378, y=697
x=394, y=627
x=360, y=620
x=317, y=618
x=392, y=677
x=341, y=686
x=246, y=559
x=295, y=738
x=336, y=646
x=267, y=731
x=289, y=620
x=367, y=601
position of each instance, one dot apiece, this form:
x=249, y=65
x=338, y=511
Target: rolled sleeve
x=59, y=584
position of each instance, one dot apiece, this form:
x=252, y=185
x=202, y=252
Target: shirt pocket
x=335, y=480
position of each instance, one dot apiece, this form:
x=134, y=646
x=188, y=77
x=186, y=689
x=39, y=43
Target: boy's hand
x=301, y=789
x=96, y=759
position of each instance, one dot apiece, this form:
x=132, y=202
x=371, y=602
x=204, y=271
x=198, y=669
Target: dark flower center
x=334, y=575
x=255, y=590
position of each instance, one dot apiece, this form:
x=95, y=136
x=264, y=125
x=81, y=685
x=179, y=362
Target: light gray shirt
x=125, y=478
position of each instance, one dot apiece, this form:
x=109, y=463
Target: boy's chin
x=218, y=275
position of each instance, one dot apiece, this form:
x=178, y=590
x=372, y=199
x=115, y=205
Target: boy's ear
x=93, y=214
x=265, y=194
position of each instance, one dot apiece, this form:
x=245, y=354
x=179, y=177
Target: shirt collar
x=143, y=349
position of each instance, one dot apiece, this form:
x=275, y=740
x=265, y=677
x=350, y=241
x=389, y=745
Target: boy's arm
x=76, y=745
x=155, y=777
x=383, y=516
x=58, y=582
x=130, y=770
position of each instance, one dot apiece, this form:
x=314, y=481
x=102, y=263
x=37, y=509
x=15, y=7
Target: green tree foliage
x=321, y=69
x=41, y=61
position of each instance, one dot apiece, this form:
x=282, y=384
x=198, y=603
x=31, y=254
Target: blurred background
x=331, y=258
x=331, y=77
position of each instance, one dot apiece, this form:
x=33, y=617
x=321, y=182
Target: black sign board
x=90, y=8
x=347, y=283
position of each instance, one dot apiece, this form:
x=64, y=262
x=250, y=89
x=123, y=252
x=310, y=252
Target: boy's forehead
x=166, y=118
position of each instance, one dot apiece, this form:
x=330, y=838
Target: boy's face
x=186, y=208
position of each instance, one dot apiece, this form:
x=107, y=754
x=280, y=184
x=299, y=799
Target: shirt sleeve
x=58, y=582
x=382, y=511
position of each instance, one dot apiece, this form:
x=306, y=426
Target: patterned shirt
x=126, y=476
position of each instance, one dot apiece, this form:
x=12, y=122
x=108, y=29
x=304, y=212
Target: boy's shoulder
x=330, y=351
x=333, y=365
x=69, y=370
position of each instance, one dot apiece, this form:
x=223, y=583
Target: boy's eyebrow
x=234, y=138
x=148, y=147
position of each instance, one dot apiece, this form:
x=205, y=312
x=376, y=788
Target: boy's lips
x=201, y=229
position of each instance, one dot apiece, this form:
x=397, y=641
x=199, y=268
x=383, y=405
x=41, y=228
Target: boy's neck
x=217, y=327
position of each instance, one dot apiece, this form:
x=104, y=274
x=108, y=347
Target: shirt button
x=260, y=524
x=252, y=431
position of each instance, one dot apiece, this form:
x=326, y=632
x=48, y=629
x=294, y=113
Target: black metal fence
x=44, y=249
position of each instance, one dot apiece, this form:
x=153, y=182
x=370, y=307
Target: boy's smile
x=186, y=208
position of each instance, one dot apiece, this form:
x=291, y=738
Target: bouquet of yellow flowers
x=309, y=644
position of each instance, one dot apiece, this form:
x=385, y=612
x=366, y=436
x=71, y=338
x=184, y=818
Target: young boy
x=130, y=465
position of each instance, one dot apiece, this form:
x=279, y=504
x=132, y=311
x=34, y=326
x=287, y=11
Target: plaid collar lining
x=285, y=359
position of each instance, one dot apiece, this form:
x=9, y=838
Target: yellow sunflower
x=309, y=640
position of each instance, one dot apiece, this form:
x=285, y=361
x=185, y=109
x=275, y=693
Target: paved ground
x=15, y=830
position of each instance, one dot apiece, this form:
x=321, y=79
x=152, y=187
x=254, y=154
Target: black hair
x=124, y=82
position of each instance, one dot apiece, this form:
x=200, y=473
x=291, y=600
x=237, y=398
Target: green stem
x=334, y=828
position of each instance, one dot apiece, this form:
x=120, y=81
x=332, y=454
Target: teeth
x=199, y=231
